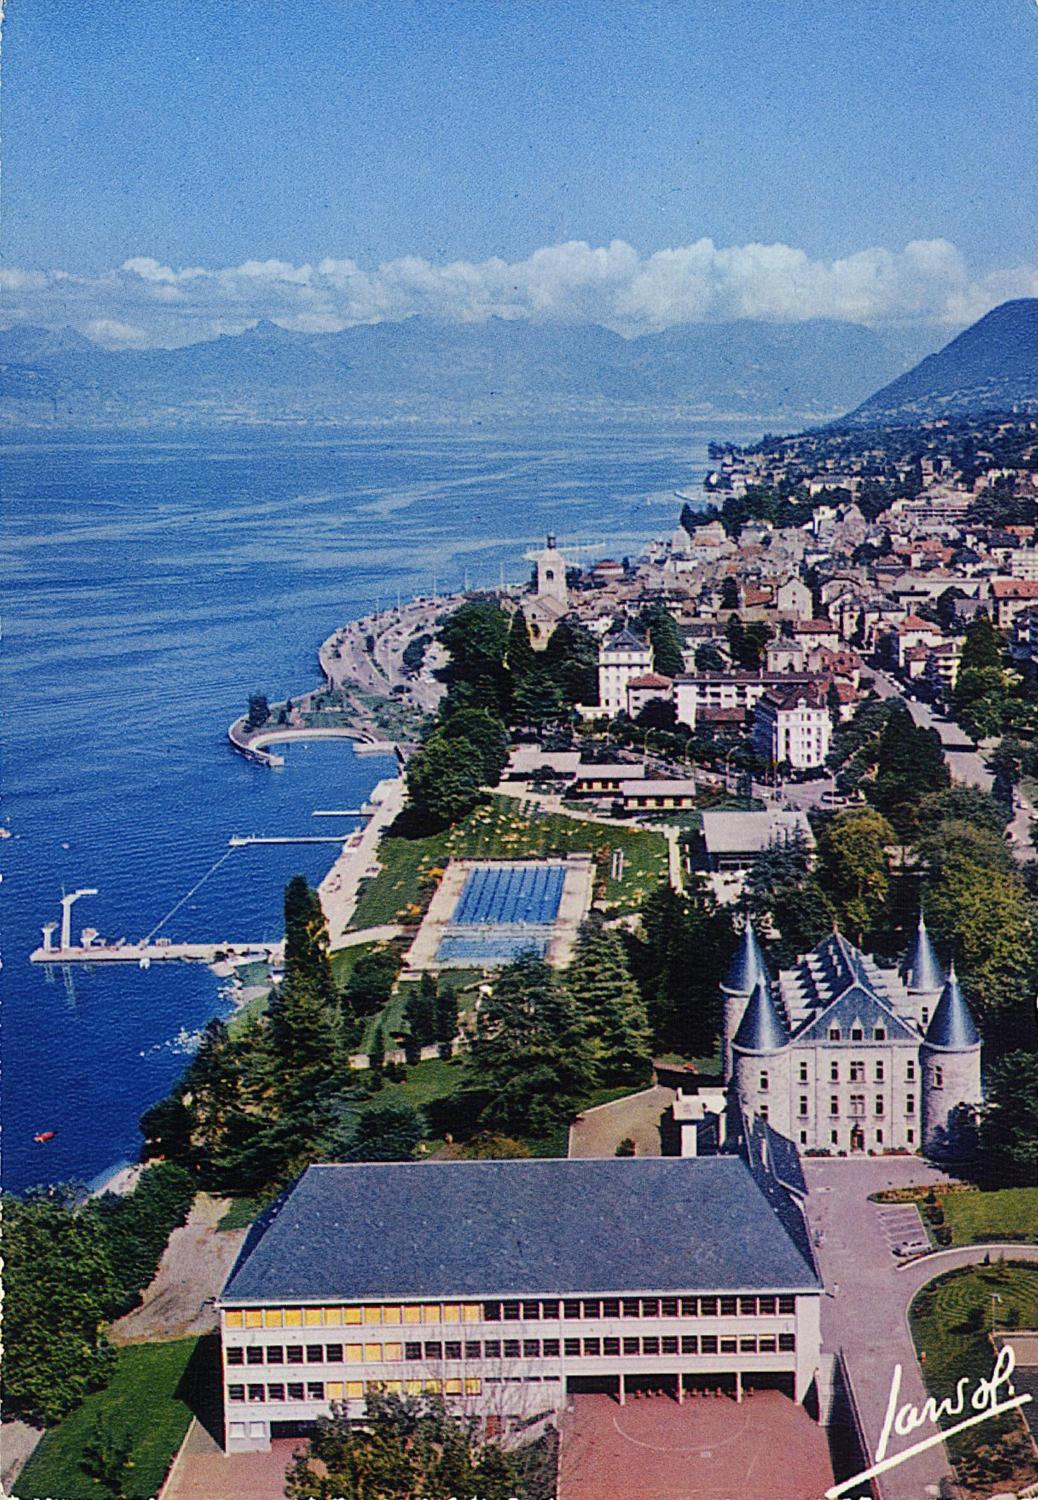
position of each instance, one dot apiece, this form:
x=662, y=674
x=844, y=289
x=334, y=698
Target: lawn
x=141, y=1401
x=951, y=1321
x=499, y=830
x=973, y=1216
x=1006, y=1214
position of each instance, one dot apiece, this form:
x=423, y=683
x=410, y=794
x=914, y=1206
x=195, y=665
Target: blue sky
x=363, y=134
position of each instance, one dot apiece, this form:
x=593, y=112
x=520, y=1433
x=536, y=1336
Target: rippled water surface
x=151, y=583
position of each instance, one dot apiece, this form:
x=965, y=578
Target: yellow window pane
x=253, y=1318
x=233, y=1319
x=414, y=1387
x=451, y=1313
x=354, y=1353
x=293, y=1317
x=433, y=1386
x=352, y=1315
x=372, y=1351
x=472, y=1312
x=373, y=1315
x=431, y=1312
x=473, y=1385
x=394, y=1387
x=274, y=1317
x=412, y=1314
x=333, y=1317
x=394, y=1351
x=391, y=1315
x=333, y=1390
x=312, y=1317
x=453, y=1387
x=354, y=1390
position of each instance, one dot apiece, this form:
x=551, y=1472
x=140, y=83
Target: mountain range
x=779, y=373
x=419, y=368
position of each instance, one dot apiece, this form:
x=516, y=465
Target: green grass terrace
x=499, y=830
x=147, y=1400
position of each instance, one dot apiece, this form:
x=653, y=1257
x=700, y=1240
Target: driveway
x=636, y=1117
x=865, y=1311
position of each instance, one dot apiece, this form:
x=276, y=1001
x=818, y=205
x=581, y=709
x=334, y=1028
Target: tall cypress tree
x=600, y=980
x=520, y=657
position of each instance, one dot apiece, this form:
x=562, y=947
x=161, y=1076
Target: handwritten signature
x=989, y=1399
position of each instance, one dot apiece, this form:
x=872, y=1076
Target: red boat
x=44, y=1135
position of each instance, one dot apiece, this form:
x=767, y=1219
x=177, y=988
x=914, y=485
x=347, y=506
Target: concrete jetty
x=143, y=954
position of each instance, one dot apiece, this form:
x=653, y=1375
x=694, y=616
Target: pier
x=144, y=954
x=242, y=841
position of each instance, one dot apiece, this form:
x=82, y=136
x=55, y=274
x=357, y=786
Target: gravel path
x=192, y=1271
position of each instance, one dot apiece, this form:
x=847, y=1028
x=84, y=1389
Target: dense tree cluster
x=495, y=681
x=70, y=1267
x=255, y=1106
x=545, y=1040
x=677, y=960
x=410, y=1446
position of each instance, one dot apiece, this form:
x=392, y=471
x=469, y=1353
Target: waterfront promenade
x=340, y=888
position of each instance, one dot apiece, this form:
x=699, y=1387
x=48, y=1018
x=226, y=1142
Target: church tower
x=949, y=1061
x=551, y=573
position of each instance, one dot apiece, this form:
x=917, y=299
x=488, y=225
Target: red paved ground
x=205, y=1472
x=709, y=1449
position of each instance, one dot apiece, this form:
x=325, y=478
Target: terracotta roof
x=915, y=622
x=1014, y=588
x=651, y=680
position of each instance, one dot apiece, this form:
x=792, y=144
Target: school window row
x=339, y=1317
x=486, y=1349
x=350, y=1390
x=520, y=1311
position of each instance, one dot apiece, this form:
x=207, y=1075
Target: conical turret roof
x=747, y=965
x=921, y=969
x=761, y=1028
x=952, y=1026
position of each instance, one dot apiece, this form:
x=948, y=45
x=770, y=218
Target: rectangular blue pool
x=503, y=910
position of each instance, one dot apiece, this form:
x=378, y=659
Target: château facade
x=843, y=1055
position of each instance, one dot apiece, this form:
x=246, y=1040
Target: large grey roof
x=747, y=965
x=761, y=1029
x=728, y=832
x=474, y=1229
x=921, y=968
x=952, y=1025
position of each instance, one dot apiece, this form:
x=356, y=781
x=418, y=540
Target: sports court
x=486, y=912
x=710, y=1448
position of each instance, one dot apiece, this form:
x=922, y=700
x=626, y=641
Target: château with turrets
x=843, y=1055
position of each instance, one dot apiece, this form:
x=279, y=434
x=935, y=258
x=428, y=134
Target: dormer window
x=834, y=1033
x=880, y=1034
x=857, y=1035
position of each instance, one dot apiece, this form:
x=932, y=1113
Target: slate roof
x=747, y=965
x=761, y=1029
x=921, y=968
x=952, y=1026
x=857, y=1005
x=475, y=1229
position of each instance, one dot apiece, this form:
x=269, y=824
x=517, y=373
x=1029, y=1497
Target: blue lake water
x=151, y=582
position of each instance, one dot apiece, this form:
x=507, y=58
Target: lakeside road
x=346, y=660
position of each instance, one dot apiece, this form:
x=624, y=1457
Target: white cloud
x=145, y=301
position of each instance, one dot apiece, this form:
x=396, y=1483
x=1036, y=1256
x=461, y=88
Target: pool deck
x=574, y=905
